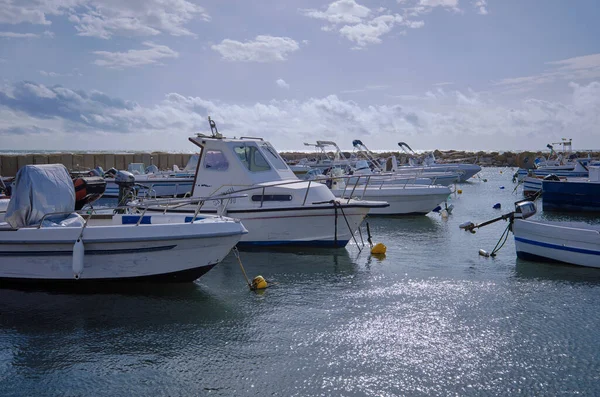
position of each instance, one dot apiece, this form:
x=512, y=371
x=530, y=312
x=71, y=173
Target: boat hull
x=545, y=241
x=303, y=226
x=409, y=200
x=146, y=252
x=571, y=196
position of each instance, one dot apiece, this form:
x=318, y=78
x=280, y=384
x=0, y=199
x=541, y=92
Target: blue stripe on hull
x=88, y=252
x=558, y=247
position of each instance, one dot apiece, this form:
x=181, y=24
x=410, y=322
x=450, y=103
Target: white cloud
x=13, y=35
x=361, y=25
x=372, y=87
x=54, y=74
x=282, y=84
x=481, y=6
x=107, y=18
x=24, y=11
x=261, y=49
x=134, y=58
x=341, y=11
x=370, y=32
x=40, y=90
x=578, y=68
x=439, y=3
x=444, y=119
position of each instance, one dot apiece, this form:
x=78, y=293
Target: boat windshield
x=136, y=168
x=215, y=160
x=251, y=158
x=192, y=164
x=273, y=156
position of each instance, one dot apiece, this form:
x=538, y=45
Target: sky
x=436, y=74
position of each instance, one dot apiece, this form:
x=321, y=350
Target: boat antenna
x=213, y=128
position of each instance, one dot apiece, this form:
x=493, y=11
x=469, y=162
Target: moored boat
x=573, y=194
x=154, y=183
x=279, y=208
x=547, y=241
x=45, y=241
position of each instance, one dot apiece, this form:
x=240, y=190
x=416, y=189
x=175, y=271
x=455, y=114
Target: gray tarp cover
x=39, y=190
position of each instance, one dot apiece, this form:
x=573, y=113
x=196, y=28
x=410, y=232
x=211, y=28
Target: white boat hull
x=323, y=225
x=174, y=252
x=544, y=241
x=406, y=200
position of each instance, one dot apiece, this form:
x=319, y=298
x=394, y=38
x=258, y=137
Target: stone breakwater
x=10, y=164
x=484, y=159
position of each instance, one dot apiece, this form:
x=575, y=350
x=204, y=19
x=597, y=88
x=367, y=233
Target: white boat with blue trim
x=280, y=209
x=547, y=241
x=44, y=241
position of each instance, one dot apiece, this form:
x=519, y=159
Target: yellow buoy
x=259, y=283
x=378, y=249
x=459, y=191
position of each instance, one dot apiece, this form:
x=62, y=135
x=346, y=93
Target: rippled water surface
x=431, y=318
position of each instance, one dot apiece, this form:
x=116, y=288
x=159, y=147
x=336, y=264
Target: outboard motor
x=111, y=172
x=524, y=209
x=126, y=181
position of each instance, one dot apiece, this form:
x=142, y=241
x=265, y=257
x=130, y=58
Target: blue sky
x=437, y=74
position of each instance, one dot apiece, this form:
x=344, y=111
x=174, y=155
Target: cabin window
x=215, y=160
x=272, y=197
x=273, y=156
x=251, y=158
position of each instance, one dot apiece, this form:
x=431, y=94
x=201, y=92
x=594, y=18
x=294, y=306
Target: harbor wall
x=10, y=164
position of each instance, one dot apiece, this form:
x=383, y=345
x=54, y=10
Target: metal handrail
x=90, y=212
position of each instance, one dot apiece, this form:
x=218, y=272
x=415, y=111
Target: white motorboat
x=446, y=175
x=324, y=159
x=154, y=183
x=546, y=241
x=575, y=244
x=280, y=209
x=403, y=199
x=44, y=241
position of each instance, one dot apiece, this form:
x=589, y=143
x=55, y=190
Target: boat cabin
x=230, y=164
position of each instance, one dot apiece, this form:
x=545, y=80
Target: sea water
x=431, y=318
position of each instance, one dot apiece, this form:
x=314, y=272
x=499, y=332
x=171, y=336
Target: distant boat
x=154, y=183
x=429, y=164
x=573, y=194
x=439, y=176
x=532, y=179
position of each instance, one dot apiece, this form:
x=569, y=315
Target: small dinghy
x=545, y=241
x=45, y=241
